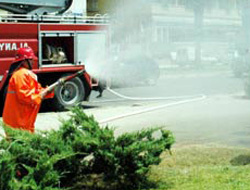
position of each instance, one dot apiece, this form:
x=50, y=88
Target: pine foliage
x=80, y=155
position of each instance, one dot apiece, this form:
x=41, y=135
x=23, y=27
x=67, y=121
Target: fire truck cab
x=60, y=44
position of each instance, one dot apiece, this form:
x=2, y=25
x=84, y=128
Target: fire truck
x=60, y=34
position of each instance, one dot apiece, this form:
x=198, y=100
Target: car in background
x=133, y=70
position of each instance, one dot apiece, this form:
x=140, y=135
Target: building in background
x=174, y=27
x=173, y=31
x=169, y=30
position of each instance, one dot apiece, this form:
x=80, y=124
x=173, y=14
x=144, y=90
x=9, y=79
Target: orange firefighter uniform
x=23, y=100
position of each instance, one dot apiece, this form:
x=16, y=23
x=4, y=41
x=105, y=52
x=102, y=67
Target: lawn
x=200, y=167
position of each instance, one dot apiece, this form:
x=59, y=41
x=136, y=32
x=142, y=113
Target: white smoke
x=129, y=35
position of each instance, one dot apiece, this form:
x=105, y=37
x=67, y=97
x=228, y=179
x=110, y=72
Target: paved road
x=221, y=118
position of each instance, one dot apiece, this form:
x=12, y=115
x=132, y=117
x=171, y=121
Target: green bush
x=80, y=155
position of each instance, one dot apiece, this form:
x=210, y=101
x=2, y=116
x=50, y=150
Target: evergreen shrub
x=80, y=155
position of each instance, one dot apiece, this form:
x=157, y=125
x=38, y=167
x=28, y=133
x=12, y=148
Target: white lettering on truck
x=12, y=46
x=7, y=46
x=23, y=45
x=1, y=46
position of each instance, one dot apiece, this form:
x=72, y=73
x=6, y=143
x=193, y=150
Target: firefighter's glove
x=61, y=81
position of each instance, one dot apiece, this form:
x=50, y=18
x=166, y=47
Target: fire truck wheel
x=68, y=95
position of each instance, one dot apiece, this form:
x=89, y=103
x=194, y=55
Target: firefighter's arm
x=24, y=92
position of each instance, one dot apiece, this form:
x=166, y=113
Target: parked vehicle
x=135, y=70
x=59, y=42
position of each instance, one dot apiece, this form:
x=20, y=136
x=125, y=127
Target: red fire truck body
x=60, y=49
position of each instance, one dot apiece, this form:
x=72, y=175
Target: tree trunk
x=245, y=15
x=198, y=26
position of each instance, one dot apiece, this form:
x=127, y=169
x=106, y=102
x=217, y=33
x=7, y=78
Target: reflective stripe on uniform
x=11, y=92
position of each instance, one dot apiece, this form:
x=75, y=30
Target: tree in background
x=198, y=7
x=244, y=9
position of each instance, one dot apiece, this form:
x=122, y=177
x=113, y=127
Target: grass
x=203, y=168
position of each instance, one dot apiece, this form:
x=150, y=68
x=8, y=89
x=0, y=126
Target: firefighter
x=23, y=97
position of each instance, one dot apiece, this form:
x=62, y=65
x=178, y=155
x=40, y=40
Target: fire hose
x=60, y=81
x=151, y=99
x=150, y=109
x=188, y=99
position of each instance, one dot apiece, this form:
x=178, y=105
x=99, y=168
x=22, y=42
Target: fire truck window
x=57, y=50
